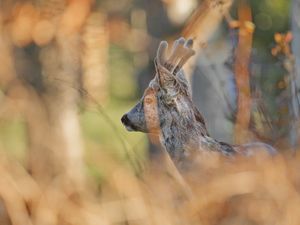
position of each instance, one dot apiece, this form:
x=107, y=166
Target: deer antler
x=181, y=52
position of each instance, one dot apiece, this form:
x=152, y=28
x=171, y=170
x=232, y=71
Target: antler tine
x=161, y=53
x=176, y=53
x=189, y=43
x=188, y=52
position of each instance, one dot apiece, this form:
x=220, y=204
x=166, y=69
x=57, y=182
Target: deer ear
x=165, y=78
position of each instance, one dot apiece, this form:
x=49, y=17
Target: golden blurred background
x=71, y=68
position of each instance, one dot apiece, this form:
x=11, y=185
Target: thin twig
x=242, y=72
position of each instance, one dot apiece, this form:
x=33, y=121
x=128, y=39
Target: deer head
x=166, y=105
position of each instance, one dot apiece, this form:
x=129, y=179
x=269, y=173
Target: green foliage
x=269, y=17
x=103, y=135
x=122, y=84
x=13, y=137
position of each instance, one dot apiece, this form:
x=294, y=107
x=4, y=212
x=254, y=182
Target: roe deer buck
x=168, y=110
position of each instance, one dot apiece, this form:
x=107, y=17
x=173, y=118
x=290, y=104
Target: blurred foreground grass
x=250, y=191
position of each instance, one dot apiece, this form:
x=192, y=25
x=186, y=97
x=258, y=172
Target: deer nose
x=125, y=120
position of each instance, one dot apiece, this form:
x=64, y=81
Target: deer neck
x=182, y=137
x=179, y=136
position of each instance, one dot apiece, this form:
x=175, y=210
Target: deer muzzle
x=134, y=120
